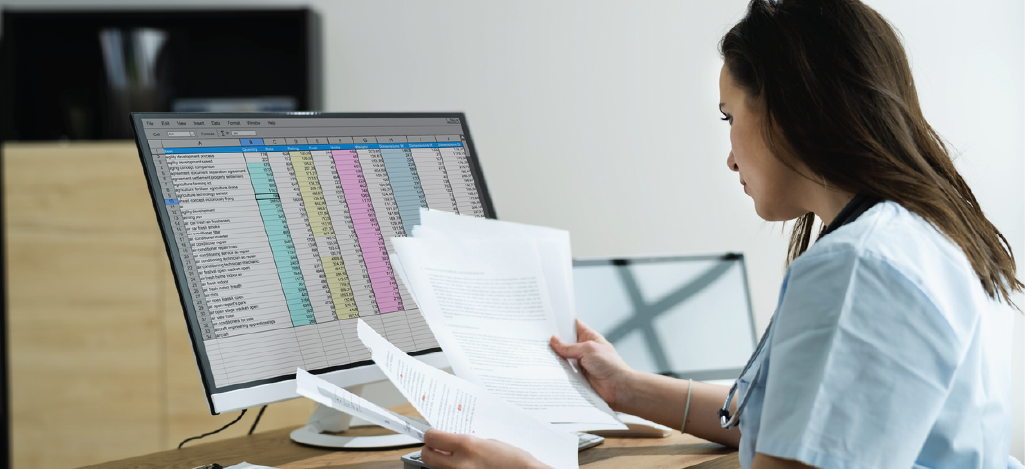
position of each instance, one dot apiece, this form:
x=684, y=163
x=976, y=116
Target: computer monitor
x=279, y=227
x=682, y=316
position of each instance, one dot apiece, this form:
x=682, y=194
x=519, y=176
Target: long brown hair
x=832, y=82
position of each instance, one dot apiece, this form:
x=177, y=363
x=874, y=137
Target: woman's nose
x=732, y=163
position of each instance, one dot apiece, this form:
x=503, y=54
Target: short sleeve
x=861, y=364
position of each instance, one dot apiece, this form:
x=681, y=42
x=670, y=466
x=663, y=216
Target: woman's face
x=776, y=189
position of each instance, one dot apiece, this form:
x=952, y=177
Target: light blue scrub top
x=885, y=353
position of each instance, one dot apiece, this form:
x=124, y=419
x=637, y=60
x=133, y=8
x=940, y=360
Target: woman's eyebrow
x=720, y=108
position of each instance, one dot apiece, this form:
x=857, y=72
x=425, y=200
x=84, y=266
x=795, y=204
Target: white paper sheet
x=488, y=305
x=452, y=404
x=553, y=251
x=396, y=266
x=345, y=401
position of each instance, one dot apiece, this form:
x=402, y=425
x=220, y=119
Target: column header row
x=354, y=146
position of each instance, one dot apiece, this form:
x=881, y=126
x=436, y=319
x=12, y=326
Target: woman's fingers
x=588, y=342
x=568, y=350
x=454, y=451
x=584, y=332
x=444, y=441
x=441, y=447
x=436, y=458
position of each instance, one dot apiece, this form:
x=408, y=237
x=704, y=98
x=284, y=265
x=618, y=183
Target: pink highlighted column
x=368, y=232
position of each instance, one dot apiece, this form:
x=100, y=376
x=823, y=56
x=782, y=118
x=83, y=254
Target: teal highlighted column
x=405, y=185
x=283, y=250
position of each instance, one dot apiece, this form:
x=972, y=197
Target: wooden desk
x=274, y=448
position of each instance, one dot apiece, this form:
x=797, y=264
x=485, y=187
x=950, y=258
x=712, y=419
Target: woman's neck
x=827, y=203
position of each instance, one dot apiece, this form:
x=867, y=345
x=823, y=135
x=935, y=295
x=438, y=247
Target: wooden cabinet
x=101, y=366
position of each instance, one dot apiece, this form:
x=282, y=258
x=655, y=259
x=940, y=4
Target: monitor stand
x=327, y=419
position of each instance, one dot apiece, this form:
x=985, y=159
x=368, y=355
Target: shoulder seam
x=857, y=248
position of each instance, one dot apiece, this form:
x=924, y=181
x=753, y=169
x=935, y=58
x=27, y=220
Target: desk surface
x=274, y=448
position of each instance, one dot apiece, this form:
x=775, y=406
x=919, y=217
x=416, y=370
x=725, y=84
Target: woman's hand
x=452, y=450
x=599, y=362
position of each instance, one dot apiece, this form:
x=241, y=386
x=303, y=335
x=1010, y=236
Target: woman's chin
x=773, y=214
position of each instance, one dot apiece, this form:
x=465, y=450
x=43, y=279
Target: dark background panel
x=55, y=83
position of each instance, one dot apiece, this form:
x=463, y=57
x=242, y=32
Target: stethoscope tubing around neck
x=727, y=421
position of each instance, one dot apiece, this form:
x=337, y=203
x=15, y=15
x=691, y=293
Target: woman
x=890, y=342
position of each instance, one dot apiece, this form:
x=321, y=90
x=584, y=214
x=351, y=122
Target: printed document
x=553, y=248
x=452, y=404
x=337, y=398
x=485, y=294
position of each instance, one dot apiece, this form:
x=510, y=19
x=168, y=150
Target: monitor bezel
x=280, y=388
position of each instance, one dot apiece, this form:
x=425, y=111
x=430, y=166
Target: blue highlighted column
x=296, y=296
x=405, y=185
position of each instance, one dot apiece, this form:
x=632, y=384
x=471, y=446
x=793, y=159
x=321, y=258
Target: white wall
x=970, y=73
x=601, y=117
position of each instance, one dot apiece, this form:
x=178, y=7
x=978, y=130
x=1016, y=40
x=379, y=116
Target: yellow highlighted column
x=320, y=223
x=338, y=284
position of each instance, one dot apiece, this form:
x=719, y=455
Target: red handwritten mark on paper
x=424, y=397
x=459, y=407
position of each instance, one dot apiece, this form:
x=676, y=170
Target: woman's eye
x=728, y=118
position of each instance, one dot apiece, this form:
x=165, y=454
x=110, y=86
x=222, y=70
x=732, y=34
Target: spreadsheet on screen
x=282, y=226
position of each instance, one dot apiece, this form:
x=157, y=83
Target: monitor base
x=327, y=419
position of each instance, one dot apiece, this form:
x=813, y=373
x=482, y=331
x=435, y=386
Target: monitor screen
x=659, y=311
x=278, y=228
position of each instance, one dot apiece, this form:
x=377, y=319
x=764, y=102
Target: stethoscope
x=725, y=419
